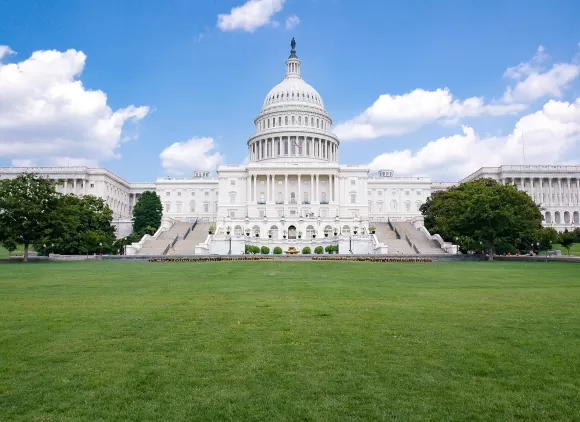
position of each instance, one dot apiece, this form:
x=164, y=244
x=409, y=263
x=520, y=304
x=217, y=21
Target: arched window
x=548, y=217
x=167, y=207
x=567, y=217
x=408, y=206
x=345, y=230
x=299, y=120
x=293, y=120
x=292, y=198
x=273, y=122
x=312, y=121
x=393, y=205
x=353, y=197
x=328, y=230
x=310, y=232
x=418, y=204
x=557, y=217
x=286, y=120
x=576, y=217
x=279, y=121
x=256, y=231
x=238, y=231
x=274, y=232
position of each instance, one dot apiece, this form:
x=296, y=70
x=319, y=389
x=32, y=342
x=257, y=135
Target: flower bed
x=369, y=259
x=213, y=258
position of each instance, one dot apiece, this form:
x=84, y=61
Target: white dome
x=293, y=90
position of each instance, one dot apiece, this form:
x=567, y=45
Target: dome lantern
x=293, y=63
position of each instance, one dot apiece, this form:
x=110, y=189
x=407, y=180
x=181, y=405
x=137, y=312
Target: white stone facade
x=555, y=188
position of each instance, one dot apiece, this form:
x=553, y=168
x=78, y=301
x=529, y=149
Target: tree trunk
x=26, y=252
x=490, y=246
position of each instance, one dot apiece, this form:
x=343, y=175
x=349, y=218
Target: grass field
x=274, y=341
x=574, y=250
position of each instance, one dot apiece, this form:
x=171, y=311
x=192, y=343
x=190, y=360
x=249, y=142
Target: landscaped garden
x=289, y=341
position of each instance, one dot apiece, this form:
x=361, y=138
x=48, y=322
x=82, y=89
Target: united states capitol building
x=293, y=192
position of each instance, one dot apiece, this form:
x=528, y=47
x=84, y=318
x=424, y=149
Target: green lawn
x=274, y=341
x=574, y=250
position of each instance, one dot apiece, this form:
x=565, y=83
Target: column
x=532, y=188
x=267, y=188
x=331, y=189
x=318, y=187
x=312, y=189
x=568, y=181
x=255, y=193
x=541, y=191
x=75, y=186
x=299, y=198
x=248, y=197
x=285, y=188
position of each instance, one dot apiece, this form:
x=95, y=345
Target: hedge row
x=369, y=259
x=212, y=258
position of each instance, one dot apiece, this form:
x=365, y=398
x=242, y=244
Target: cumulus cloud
x=534, y=80
x=48, y=117
x=250, y=16
x=291, y=22
x=5, y=51
x=401, y=114
x=182, y=158
x=549, y=134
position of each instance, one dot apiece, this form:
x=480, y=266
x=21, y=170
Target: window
x=232, y=214
x=324, y=212
x=310, y=232
x=280, y=212
x=286, y=120
x=393, y=205
x=192, y=206
x=167, y=207
x=407, y=192
x=206, y=193
x=418, y=193
x=206, y=207
x=323, y=198
x=380, y=206
x=380, y=193
x=346, y=230
x=238, y=231
x=274, y=232
x=179, y=207
x=232, y=197
x=353, y=182
x=92, y=185
x=353, y=198
x=232, y=182
x=179, y=193
x=418, y=205
x=408, y=206
x=167, y=193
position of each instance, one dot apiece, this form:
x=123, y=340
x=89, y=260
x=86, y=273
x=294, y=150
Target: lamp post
x=52, y=248
x=230, y=239
x=44, y=247
x=101, y=248
x=547, y=251
x=457, y=243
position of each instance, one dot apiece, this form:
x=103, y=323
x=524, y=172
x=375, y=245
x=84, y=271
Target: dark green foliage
x=328, y=248
x=547, y=236
x=306, y=250
x=567, y=240
x=318, y=250
x=147, y=213
x=127, y=240
x=265, y=250
x=482, y=210
x=28, y=206
x=83, y=224
x=277, y=250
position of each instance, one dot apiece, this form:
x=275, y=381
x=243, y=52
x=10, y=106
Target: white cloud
x=400, y=114
x=250, y=16
x=534, y=81
x=549, y=134
x=5, y=51
x=291, y=22
x=182, y=158
x=48, y=117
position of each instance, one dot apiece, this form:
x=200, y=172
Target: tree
x=482, y=210
x=546, y=237
x=147, y=212
x=27, y=209
x=84, y=226
x=567, y=240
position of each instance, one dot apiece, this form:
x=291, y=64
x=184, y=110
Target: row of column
x=551, y=190
x=293, y=147
x=271, y=183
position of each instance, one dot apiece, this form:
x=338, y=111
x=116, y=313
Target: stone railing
x=446, y=246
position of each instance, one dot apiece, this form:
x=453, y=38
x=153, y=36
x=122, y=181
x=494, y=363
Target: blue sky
x=196, y=79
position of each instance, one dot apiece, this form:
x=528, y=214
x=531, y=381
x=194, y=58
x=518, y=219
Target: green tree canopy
x=147, y=212
x=482, y=210
x=27, y=209
x=567, y=240
x=83, y=224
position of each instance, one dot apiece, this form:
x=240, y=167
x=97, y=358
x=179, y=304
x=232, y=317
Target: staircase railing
x=170, y=245
x=393, y=228
x=189, y=230
x=411, y=244
x=391, y=225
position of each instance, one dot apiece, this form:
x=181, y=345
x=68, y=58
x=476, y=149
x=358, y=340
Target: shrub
x=328, y=249
x=277, y=250
x=318, y=250
x=256, y=250
x=265, y=250
x=335, y=248
x=306, y=250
